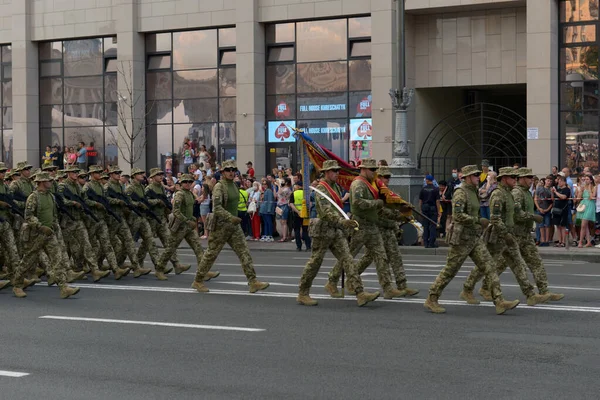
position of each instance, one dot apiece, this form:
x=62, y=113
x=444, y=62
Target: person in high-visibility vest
x=243, y=211
x=296, y=207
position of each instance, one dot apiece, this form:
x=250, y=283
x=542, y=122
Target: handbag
x=278, y=211
x=252, y=207
x=581, y=208
x=556, y=211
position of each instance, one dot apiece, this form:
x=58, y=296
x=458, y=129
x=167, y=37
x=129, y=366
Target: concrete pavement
x=145, y=339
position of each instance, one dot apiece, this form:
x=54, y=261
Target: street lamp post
x=401, y=98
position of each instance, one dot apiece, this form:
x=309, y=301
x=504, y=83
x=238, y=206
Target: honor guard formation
x=66, y=225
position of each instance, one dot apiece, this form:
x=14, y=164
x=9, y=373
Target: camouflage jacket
x=329, y=219
x=225, y=195
x=97, y=188
x=137, y=188
x=23, y=186
x=524, y=210
x=362, y=202
x=465, y=212
x=32, y=209
x=116, y=204
x=502, y=209
x=74, y=187
x=157, y=205
x=183, y=205
x=389, y=218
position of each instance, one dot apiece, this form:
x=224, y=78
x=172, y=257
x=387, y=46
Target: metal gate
x=471, y=134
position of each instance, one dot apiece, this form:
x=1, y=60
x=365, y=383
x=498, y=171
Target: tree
x=130, y=135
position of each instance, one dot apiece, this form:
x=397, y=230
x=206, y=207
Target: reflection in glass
x=195, y=49
x=578, y=10
x=321, y=40
x=83, y=114
x=7, y=148
x=330, y=105
x=195, y=84
x=202, y=110
x=7, y=118
x=83, y=90
x=281, y=107
x=280, y=33
x=87, y=135
x=360, y=49
x=227, y=57
x=110, y=88
x=6, y=71
x=110, y=47
x=83, y=57
x=331, y=134
x=579, y=95
x=111, y=114
x=159, y=62
x=281, y=79
x=51, y=91
x=199, y=134
x=51, y=68
x=51, y=137
x=580, y=62
x=227, y=82
x=157, y=42
x=160, y=145
x=359, y=27
x=111, y=152
x=579, y=34
x=360, y=104
x=7, y=53
x=279, y=54
x=227, y=133
x=158, y=85
x=50, y=50
x=159, y=112
x=51, y=116
x=360, y=74
x=227, y=37
x=322, y=77
x=581, y=138
x=227, y=109
x=7, y=94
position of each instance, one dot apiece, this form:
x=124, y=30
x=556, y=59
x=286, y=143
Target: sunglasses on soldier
x=228, y=169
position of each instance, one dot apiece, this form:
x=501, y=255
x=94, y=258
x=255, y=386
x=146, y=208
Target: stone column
x=26, y=132
x=131, y=86
x=542, y=85
x=250, y=74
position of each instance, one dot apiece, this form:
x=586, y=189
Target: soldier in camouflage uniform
x=10, y=254
x=329, y=232
x=21, y=187
x=501, y=240
x=226, y=229
x=39, y=234
x=524, y=219
x=98, y=231
x=155, y=187
x=75, y=232
x=465, y=241
x=365, y=206
x=120, y=232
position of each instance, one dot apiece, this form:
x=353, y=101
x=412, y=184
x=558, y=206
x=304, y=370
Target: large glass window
x=191, y=96
x=6, y=133
x=579, y=83
x=319, y=79
x=78, y=96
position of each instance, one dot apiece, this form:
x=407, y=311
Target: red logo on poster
x=282, y=110
x=364, y=130
x=282, y=132
x=364, y=106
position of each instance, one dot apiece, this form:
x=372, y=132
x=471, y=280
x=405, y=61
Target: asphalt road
x=145, y=339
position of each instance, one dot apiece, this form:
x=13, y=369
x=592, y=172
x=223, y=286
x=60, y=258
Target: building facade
x=507, y=80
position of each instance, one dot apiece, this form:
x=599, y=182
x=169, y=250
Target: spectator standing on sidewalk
x=267, y=212
x=254, y=197
x=454, y=182
x=586, y=209
x=485, y=192
x=296, y=207
x=429, y=202
x=446, y=203
x=81, y=156
x=561, y=210
x=543, y=203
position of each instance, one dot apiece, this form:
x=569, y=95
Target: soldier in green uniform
x=10, y=254
x=524, y=219
x=52, y=172
x=329, y=232
x=465, y=241
x=75, y=233
x=501, y=240
x=121, y=237
x=21, y=188
x=98, y=231
x=226, y=229
x=365, y=205
x=39, y=234
x=157, y=197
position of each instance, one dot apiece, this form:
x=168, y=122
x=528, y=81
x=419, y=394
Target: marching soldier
x=226, y=229
x=20, y=189
x=10, y=254
x=39, y=234
x=502, y=242
x=157, y=197
x=465, y=241
x=119, y=229
x=329, y=233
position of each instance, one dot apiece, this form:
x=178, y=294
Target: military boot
x=556, y=296
x=3, y=275
x=120, y=272
x=332, y=289
x=468, y=297
x=432, y=305
x=19, y=292
x=486, y=294
x=51, y=280
x=200, y=286
x=211, y=275
x=503, y=306
x=141, y=271
x=537, y=299
x=305, y=299
x=349, y=288
x=39, y=272
x=257, y=285
x=86, y=270
x=408, y=292
x=68, y=291
x=168, y=270
x=160, y=276
x=4, y=284
x=366, y=297
x=389, y=293
x=179, y=268
x=28, y=282
x=73, y=276
x=97, y=274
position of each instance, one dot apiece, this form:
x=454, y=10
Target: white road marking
x=13, y=374
x=152, y=323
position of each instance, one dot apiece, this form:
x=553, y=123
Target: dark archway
x=473, y=133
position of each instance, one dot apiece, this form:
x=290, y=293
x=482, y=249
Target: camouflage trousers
x=141, y=226
x=16, y=227
x=100, y=241
x=78, y=244
x=508, y=248
x=369, y=236
x=336, y=242
x=10, y=254
x=484, y=265
x=174, y=240
x=122, y=242
x=38, y=243
x=163, y=233
x=232, y=234
x=392, y=250
x=531, y=256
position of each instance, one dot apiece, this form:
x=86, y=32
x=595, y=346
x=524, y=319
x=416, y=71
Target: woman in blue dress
x=586, y=209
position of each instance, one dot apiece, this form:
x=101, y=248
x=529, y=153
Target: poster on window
x=361, y=129
x=281, y=131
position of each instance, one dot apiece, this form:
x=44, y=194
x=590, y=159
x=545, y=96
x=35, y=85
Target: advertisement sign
x=282, y=110
x=361, y=129
x=330, y=105
x=281, y=132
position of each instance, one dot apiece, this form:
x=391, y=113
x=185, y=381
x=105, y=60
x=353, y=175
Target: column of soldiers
x=65, y=227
